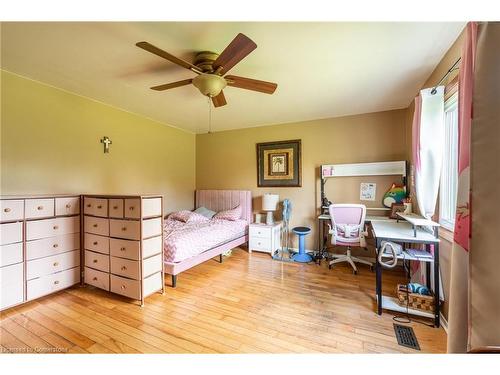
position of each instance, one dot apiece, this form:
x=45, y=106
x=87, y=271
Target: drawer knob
x=124, y=229
x=95, y=260
x=99, y=207
x=6, y=209
x=55, y=246
x=95, y=243
x=89, y=205
x=122, y=249
x=123, y=287
x=68, y=205
x=55, y=227
x=131, y=208
x=124, y=268
x=94, y=279
x=56, y=282
x=39, y=208
x=95, y=225
x=56, y=264
x=115, y=207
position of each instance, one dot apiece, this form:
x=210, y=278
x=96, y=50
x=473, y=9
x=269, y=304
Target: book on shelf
x=419, y=253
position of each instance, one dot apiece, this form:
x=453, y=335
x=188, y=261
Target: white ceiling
x=322, y=69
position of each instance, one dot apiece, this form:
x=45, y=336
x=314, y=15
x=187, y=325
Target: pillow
x=232, y=215
x=205, y=212
x=187, y=216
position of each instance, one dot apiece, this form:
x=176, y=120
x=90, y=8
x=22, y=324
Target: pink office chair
x=347, y=229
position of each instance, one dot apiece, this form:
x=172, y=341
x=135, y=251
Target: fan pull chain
x=209, y=115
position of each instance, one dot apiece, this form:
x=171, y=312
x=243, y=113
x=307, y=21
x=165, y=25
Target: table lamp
x=270, y=204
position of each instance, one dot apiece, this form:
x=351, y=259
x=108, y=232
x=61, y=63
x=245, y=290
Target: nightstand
x=266, y=238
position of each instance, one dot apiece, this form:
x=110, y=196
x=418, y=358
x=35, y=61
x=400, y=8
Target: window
x=449, y=174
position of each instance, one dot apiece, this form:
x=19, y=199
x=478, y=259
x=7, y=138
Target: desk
x=405, y=233
x=323, y=235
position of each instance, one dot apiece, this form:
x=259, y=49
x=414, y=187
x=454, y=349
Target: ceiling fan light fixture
x=209, y=84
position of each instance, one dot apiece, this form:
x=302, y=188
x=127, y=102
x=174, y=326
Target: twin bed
x=187, y=244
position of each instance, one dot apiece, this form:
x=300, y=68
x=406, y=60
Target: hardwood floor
x=248, y=304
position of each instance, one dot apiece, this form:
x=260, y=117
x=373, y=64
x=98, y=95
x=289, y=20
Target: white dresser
x=263, y=237
x=39, y=246
x=123, y=242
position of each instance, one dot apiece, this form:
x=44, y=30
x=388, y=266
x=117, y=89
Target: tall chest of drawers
x=123, y=244
x=39, y=247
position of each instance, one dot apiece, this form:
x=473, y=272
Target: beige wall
x=445, y=248
x=227, y=160
x=50, y=144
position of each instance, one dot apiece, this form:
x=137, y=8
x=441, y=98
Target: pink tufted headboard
x=219, y=200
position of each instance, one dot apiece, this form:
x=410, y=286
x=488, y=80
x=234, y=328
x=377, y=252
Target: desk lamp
x=269, y=204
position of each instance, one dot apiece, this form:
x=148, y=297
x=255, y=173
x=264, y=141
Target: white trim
x=444, y=322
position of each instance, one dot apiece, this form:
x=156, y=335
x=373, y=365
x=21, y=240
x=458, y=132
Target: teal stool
x=302, y=256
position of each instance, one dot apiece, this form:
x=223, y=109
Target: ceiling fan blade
x=236, y=51
x=167, y=86
x=159, y=52
x=251, y=84
x=219, y=100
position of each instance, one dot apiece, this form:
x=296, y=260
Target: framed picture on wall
x=279, y=164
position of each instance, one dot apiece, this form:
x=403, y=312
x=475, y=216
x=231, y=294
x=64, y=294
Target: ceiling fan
x=211, y=68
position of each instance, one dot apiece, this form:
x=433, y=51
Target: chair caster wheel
x=329, y=266
x=355, y=272
x=371, y=268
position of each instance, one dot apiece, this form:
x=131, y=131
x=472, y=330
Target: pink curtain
x=458, y=319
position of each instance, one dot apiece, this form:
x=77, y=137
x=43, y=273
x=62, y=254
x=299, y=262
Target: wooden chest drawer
x=116, y=208
x=52, y=283
x=11, y=210
x=49, y=265
x=152, y=284
x=97, y=261
x=11, y=233
x=39, y=208
x=126, y=268
x=67, y=206
x=152, y=246
x=52, y=245
x=97, y=278
x=11, y=285
x=128, y=249
x=11, y=254
x=96, y=225
x=262, y=244
x=151, y=227
x=127, y=229
x=132, y=208
x=257, y=231
x=151, y=207
x=52, y=227
x=126, y=287
x=151, y=265
x=96, y=243
x=95, y=206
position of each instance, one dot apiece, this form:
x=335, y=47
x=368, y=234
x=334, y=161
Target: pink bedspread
x=185, y=240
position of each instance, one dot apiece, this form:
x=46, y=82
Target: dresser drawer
x=127, y=229
x=132, y=208
x=151, y=246
x=152, y=284
x=11, y=254
x=49, y=265
x=151, y=227
x=52, y=227
x=126, y=268
x=67, y=206
x=39, y=208
x=11, y=285
x=151, y=207
x=96, y=225
x=257, y=243
x=95, y=206
x=97, y=278
x=116, y=208
x=151, y=265
x=126, y=287
x=11, y=210
x=10, y=233
x=97, y=261
x=257, y=231
x=52, y=245
x=96, y=243
x=125, y=248
x=52, y=283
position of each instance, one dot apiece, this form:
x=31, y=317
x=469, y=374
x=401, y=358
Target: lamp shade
x=270, y=202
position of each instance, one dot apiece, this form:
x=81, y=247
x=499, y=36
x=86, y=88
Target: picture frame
x=395, y=208
x=279, y=164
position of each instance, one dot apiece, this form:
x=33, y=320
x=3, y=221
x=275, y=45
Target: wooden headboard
x=219, y=200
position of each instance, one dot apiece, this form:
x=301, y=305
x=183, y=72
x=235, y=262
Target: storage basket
x=417, y=301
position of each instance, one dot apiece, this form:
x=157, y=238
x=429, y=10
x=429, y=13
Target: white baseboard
x=444, y=322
